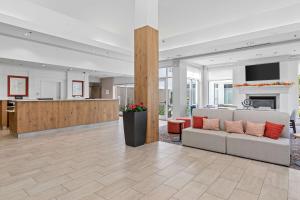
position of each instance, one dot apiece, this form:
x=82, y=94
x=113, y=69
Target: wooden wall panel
x=146, y=77
x=33, y=116
x=3, y=114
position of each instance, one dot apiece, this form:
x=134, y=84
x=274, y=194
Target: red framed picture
x=77, y=88
x=17, y=86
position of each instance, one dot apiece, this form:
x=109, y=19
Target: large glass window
x=193, y=88
x=220, y=92
x=220, y=89
x=165, y=93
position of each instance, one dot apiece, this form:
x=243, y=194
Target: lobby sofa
x=257, y=148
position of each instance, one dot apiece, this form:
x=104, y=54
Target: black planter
x=135, y=125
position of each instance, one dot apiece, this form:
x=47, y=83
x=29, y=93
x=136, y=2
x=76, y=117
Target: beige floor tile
x=240, y=162
x=149, y=184
x=191, y=191
x=278, y=180
x=273, y=193
x=207, y=196
x=16, y=195
x=257, y=169
x=82, y=180
x=23, y=184
x=50, y=193
x=207, y=176
x=242, y=195
x=233, y=173
x=128, y=194
x=100, y=166
x=170, y=171
x=114, y=189
x=250, y=184
x=81, y=192
x=41, y=187
x=179, y=180
x=222, y=188
x=113, y=177
x=163, y=192
x=92, y=197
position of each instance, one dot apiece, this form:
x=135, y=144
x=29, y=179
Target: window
x=165, y=93
x=220, y=89
x=220, y=92
x=192, y=88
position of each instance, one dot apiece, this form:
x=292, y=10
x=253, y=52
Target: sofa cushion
x=259, y=148
x=211, y=124
x=205, y=139
x=222, y=114
x=255, y=129
x=234, y=126
x=198, y=121
x=273, y=130
x=263, y=116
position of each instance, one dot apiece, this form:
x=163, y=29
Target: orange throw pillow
x=198, y=122
x=255, y=129
x=273, y=130
x=211, y=124
x=234, y=126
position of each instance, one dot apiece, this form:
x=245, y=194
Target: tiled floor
x=94, y=163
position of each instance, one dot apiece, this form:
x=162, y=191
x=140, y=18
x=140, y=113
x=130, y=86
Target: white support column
x=179, y=89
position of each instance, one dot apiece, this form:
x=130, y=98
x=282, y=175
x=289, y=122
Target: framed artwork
x=77, y=88
x=17, y=86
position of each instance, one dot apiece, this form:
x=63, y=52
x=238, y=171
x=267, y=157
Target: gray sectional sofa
x=258, y=148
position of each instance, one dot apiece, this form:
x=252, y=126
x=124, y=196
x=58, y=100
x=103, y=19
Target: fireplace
x=264, y=101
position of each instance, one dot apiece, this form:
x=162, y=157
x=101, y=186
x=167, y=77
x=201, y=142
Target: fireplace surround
x=264, y=101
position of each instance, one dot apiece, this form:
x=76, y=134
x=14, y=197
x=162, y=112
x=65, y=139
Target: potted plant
x=135, y=124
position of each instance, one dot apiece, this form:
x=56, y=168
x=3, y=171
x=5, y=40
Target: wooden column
x=146, y=76
x=3, y=114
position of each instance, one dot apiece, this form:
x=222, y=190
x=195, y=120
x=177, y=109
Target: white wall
x=26, y=50
x=42, y=81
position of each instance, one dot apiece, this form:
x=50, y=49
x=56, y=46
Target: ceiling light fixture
x=44, y=65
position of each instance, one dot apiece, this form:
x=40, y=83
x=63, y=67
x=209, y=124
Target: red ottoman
x=175, y=127
x=187, y=121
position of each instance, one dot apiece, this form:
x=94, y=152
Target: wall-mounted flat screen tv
x=262, y=72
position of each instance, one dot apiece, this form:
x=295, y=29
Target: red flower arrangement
x=135, y=108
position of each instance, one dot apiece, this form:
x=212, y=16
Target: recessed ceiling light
x=28, y=34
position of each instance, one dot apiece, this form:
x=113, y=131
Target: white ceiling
x=187, y=28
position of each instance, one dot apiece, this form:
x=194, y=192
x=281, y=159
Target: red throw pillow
x=198, y=121
x=273, y=131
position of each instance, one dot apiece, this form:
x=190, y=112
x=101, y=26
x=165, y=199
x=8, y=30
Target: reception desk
x=35, y=115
